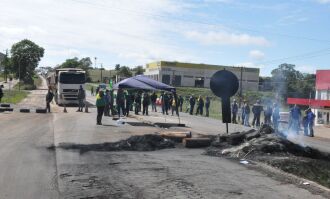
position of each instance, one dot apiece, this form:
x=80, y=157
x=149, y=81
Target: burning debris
x=148, y=142
x=274, y=149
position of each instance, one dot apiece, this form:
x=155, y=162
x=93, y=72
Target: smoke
x=291, y=134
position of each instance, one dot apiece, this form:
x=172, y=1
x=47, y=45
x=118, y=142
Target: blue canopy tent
x=132, y=83
x=145, y=83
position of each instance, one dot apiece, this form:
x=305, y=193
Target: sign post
x=224, y=84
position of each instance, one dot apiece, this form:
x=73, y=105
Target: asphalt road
x=28, y=169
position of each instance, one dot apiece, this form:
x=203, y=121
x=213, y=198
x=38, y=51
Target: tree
x=139, y=70
x=84, y=63
x=6, y=63
x=25, y=56
x=288, y=82
x=117, y=67
x=125, y=71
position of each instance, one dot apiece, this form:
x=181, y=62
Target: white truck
x=65, y=83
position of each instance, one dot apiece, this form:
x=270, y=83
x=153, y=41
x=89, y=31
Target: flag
x=110, y=84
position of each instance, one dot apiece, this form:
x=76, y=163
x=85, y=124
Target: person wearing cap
x=234, y=110
x=81, y=97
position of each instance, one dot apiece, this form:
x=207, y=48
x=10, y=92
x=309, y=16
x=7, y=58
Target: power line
x=312, y=54
x=144, y=13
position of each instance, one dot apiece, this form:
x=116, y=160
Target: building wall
x=190, y=72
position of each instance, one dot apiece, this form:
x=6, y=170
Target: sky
x=249, y=33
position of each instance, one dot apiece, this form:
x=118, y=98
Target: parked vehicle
x=65, y=83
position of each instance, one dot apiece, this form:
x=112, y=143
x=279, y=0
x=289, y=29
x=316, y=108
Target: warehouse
x=198, y=75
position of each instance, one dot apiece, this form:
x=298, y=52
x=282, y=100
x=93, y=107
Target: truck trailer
x=65, y=83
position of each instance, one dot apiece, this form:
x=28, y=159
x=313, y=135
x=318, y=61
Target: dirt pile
x=274, y=149
x=148, y=142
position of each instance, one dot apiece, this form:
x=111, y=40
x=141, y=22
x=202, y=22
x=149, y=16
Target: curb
x=41, y=110
x=5, y=105
x=24, y=110
x=3, y=109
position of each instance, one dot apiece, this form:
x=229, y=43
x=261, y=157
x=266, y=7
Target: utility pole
x=101, y=72
x=240, y=92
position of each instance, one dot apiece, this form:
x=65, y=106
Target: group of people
x=200, y=104
x=306, y=120
x=272, y=116
x=121, y=103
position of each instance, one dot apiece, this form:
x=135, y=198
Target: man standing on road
x=92, y=91
x=165, y=103
x=256, y=110
x=100, y=104
x=81, y=98
x=120, y=101
x=276, y=116
x=153, y=101
x=107, y=99
x=234, y=110
x=1, y=93
x=268, y=114
x=207, y=105
x=180, y=102
x=137, y=101
x=192, y=104
x=49, y=99
x=200, y=105
x=246, y=114
x=128, y=98
x=145, y=103
x=295, y=115
x=310, y=122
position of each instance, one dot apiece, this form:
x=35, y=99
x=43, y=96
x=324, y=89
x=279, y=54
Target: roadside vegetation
x=13, y=96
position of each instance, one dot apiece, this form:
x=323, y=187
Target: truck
x=65, y=83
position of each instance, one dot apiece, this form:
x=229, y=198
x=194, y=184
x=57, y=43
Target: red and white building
x=322, y=87
x=321, y=104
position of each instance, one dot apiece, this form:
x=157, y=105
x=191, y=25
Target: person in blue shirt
x=276, y=116
x=310, y=122
x=295, y=115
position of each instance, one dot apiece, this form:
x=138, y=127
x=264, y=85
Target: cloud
x=249, y=65
x=256, y=54
x=92, y=28
x=226, y=38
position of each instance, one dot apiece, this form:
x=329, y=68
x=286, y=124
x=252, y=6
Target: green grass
x=1, y=78
x=13, y=96
x=25, y=86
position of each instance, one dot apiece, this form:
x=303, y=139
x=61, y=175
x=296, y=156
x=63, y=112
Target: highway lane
x=27, y=167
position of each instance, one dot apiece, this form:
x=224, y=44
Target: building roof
x=323, y=79
x=160, y=64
